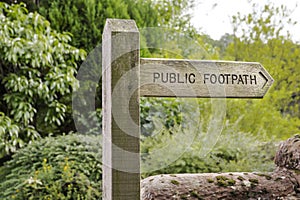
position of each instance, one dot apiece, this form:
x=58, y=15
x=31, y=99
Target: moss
x=231, y=182
x=174, y=182
x=209, y=180
x=297, y=171
x=184, y=197
x=173, y=175
x=196, y=195
x=224, y=178
x=240, y=178
x=268, y=177
x=253, y=180
x=222, y=183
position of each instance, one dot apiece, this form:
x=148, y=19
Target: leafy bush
x=184, y=152
x=159, y=108
x=69, y=167
x=37, y=72
x=260, y=36
x=63, y=167
x=85, y=19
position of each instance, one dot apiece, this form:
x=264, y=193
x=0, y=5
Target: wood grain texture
x=120, y=94
x=208, y=79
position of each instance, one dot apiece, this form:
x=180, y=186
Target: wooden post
x=120, y=93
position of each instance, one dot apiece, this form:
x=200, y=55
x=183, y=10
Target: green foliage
x=204, y=142
x=31, y=5
x=152, y=109
x=69, y=167
x=248, y=124
x=259, y=37
x=44, y=185
x=261, y=117
x=234, y=151
x=179, y=135
x=89, y=123
x=63, y=167
x=85, y=18
x=37, y=71
x=10, y=135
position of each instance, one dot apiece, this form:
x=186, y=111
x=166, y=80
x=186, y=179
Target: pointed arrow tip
x=265, y=79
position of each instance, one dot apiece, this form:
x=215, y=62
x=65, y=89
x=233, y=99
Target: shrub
x=159, y=108
x=233, y=152
x=63, y=167
x=37, y=72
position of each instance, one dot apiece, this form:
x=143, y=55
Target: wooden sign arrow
x=210, y=79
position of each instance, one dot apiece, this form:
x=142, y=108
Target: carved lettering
x=190, y=78
x=240, y=79
x=186, y=78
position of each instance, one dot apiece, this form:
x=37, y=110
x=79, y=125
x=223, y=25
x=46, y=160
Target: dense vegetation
x=85, y=18
x=40, y=54
x=263, y=39
x=63, y=167
x=37, y=70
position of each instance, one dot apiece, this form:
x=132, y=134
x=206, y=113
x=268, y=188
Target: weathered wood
x=121, y=158
x=198, y=78
x=283, y=183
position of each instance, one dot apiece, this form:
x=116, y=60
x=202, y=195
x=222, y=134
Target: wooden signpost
x=197, y=78
x=126, y=77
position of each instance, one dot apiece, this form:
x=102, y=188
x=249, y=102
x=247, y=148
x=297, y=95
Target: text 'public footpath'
x=190, y=78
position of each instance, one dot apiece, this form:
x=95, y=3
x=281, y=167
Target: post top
x=120, y=25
